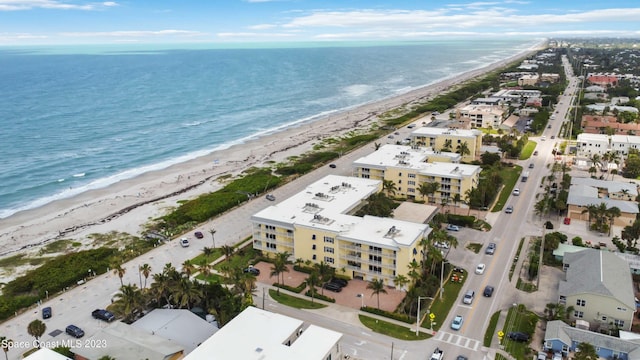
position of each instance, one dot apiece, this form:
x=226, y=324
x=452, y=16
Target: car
x=184, y=242
x=442, y=245
x=468, y=297
x=543, y=138
x=488, y=291
x=46, y=312
x=456, y=324
x=270, y=197
x=252, y=270
x=198, y=234
x=509, y=209
x=339, y=281
x=557, y=356
x=531, y=166
x=397, y=133
x=460, y=357
x=103, y=315
x=518, y=336
x=567, y=221
x=332, y=287
x=553, y=136
x=535, y=153
x=411, y=126
x=452, y=227
x=541, y=355
x=516, y=192
x=390, y=136
x=74, y=331
x=333, y=166
x=480, y=269
x=548, y=126
x=491, y=249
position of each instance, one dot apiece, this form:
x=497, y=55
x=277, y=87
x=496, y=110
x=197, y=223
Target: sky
x=37, y=22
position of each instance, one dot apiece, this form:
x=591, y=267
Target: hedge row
x=297, y=289
x=320, y=296
x=391, y=315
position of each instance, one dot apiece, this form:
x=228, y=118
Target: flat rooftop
x=259, y=334
x=434, y=131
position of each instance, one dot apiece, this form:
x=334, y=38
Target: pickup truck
x=437, y=354
x=103, y=315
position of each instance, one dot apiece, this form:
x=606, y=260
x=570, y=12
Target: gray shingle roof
x=598, y=272
x=559, y=330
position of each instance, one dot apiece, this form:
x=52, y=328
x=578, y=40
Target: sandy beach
x=127, y=205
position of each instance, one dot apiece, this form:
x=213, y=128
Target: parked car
x=543, y=138
x=74, y=331
x=184, y=242
x=468, y=297
x=491, y=248
x=46, y=312
x=442, y=245
x=456, y=324
x=333, y=166
x=198, y=234
x=518, y=336
x=553, y=136
x=531, y=166
x=509, y=209
x=252, y=270
x=271, y=197
x=460, y=357
x=103, y=315
x=535, y=153
x=341, y=282
x=452, y=227
x=332, y=287
x=557, y=356
x=480, y=269
x=488, y=291
x=542, y=355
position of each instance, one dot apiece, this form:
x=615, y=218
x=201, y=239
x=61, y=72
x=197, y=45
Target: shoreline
x=128, y=204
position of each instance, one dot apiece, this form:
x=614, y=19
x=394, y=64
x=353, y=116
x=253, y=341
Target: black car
x=253, y=271
x=74, y=331
x=518, y=336
x=198, y=234
x=333, y=166
x=488, y=291
x=340, y=282
x=103, y=315
x=332, y=287
x=46, y=312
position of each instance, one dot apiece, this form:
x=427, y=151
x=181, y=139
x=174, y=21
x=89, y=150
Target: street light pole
x=442, y=275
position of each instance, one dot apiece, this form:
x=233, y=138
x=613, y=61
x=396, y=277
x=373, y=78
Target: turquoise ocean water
x=79, y=118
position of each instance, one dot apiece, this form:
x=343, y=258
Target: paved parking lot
x=347, y=297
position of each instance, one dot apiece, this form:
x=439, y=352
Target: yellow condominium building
x=316, y=224
x=409, y=168
x=483, y=116
x=444, y=139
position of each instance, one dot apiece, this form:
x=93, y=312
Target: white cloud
x=135, y=33
x=17, y=5
x=249, y=35
x=262, y=27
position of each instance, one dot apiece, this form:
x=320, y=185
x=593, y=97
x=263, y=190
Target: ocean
x=79, y=118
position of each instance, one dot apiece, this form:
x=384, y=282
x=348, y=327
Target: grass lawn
x=528, y=150
x=202, y=259
x=239, y=259
x=211, y=278
x=293, y=301
x=442, y=307
x=491, y=329
x=475, y=247
x=393, y=330
x=523, y=320
x=510, y=176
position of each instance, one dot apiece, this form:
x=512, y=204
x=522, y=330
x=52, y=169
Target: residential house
x=316, y=225
x=260, y=334
x=438, y=138
x=599, y=124
x=589, y=144
x=603, y=80
x=586, y=191
x=561, y=337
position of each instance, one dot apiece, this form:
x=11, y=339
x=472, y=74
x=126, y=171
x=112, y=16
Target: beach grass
x=56, y=247
x=393, y=330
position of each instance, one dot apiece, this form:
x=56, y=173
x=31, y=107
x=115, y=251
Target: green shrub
x=461, y=220
x=320, y=296
x=10, y=304
x=296, y=289
x=392, y=315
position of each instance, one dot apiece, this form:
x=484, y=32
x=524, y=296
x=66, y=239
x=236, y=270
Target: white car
x=184, y=242
x=516, y=192
x=543, y=138
x=480, y=269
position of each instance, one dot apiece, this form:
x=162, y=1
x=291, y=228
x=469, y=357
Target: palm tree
x=612, y=213
x=228, y=250
x=463, y=149
x=448, y=145
x=376, y=146
x=186, y=292
x=160, y=287
x=279, y=267
x=401, y=281
x=36, y=328
x=413, y=273
x=313, y=280
x=204, y=269
x=6, y=345
x=145, y=269
x=377, y=286
x=326, y=272
x=128, y=300
x=188, y=268
x=120, y=271
x=389, y=187
x=207, y=251
x=428, y=188
x=456, y=199
x=212, y=231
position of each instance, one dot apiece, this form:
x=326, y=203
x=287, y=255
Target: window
x=328, y=260
x=411, y=182
x=411, y=190
x=328, y=239
x=271, y=246
x=270, y=227
x=328, y=249
x=313, y=237
x=374, y=258
x=375, y=269
x=399, y=181
x=313, y=257
x=618, y=323
x=578, y=314
x=411, y=176
x=313, y=247
x=604, y=318
x=375, y=248
x=580, y=302
x=399, y=174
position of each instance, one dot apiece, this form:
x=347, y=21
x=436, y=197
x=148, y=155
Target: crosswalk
x=458, y=340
